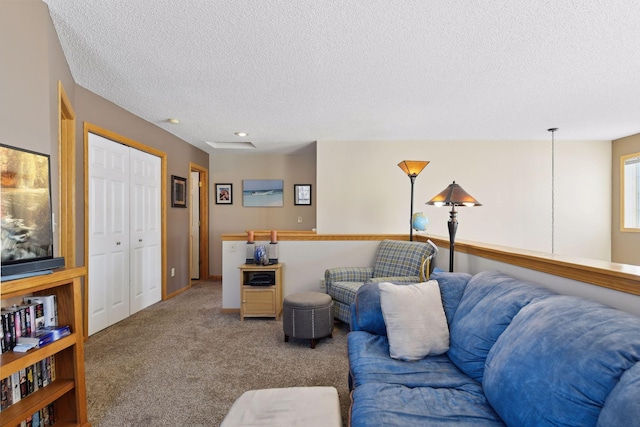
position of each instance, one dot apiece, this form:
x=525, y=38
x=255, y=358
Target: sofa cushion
x=452, y=286
x=489, y=302
x=400, y=258
x=377, y=404
x=416, y=324
x=368, y=313
x=623, y=404
x=369, y=361
x=559, y=360
x=344, y=291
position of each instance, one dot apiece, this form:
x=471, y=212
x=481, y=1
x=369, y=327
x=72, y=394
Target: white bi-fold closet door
x=124, y=231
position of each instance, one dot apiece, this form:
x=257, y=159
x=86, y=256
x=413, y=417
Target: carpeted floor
x=182, y=362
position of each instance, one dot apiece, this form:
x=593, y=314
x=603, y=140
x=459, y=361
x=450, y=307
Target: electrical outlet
x=299, y=220
x=173, y=272
x=232, y=247
x=322, y=285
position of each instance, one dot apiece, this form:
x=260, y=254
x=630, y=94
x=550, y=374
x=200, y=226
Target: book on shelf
x=6, y=394
x=25, y=320
x=30, y=380
x=43, y=418
x=24, y=386
x=15, y=386
x=45, y=335
x=21, y=320
x=23, y=348
x=34, y=316
x=38, y=316
x=50, y=307
x=9, y=328
x=24, y=382
x=3, y=345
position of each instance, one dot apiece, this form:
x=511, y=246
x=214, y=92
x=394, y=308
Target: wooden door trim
x=67, y=185
x=204, y=220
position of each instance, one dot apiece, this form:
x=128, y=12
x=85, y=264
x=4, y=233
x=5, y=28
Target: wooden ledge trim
x=620, y=277
x=261, y=236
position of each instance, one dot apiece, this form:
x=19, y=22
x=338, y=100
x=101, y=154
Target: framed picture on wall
x=262, y=193
x=302, y=194
x=178, y=192
x=224, y=194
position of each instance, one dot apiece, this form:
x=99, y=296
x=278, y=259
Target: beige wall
x=624, y=245
x=32, y=65
x=512, y=180
x=96, y=110
x=233, y=167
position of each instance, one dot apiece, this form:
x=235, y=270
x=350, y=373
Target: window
x=630, y=192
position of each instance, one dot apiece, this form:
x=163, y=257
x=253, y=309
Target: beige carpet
x=182, y=362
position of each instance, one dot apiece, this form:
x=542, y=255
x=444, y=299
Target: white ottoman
x=291, y=407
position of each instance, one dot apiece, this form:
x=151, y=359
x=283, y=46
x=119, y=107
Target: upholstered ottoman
x=290, y=407
x=307, y=315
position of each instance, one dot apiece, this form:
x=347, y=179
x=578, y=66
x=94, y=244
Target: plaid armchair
x=395, y=261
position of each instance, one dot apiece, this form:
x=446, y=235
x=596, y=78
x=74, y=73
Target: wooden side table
x=260, y=290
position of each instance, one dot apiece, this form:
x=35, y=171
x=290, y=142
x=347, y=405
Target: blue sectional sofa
x=519, y=355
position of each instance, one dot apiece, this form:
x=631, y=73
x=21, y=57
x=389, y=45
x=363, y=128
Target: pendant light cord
x=553, y=188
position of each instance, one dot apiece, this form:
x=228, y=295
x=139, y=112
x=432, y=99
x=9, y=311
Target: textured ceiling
x=290, y=72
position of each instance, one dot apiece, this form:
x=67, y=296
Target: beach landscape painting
x=262, y=193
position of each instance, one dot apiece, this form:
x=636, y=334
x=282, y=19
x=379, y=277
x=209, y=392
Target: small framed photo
x=224, y=194
x=178, y=192
x=302, y=194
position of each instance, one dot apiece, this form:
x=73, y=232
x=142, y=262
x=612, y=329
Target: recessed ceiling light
x=173, y=121
x=242, y=134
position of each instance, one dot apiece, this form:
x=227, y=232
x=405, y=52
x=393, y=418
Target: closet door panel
x=108, y=233
x=98, y=253
x=137, y=275
x=145, y=230
x=153, y=232
x=119, y=234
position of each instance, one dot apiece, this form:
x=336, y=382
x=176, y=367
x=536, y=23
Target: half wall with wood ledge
x=307, y=255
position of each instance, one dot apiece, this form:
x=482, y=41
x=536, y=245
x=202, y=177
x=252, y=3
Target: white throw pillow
x=416, y=323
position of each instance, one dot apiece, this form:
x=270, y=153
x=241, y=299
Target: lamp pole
x=453, y=227
x=413, y=180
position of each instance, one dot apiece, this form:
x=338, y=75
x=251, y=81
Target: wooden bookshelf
x=68, y=392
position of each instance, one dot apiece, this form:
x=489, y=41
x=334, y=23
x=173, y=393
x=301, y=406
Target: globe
x=419, y=221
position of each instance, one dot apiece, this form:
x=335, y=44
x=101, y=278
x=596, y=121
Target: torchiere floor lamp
x=453, y=196
x=412, y=168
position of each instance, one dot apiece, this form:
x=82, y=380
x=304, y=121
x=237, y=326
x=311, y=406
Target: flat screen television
x=26, y=214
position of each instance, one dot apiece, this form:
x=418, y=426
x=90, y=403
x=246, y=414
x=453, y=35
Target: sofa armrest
x=366, y=312
x=346, y=274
